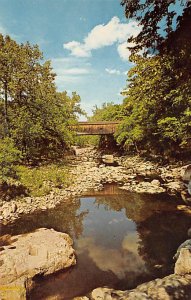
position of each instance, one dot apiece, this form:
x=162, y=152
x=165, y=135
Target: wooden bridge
x=96, y=128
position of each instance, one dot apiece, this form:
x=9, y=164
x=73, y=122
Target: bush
x=9, y=158
x=40, y=181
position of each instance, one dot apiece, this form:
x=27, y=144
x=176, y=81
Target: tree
x=33, y=113
x=156, y=19
x=107, y=112
x=9, y=157
x=18, y=63
x=157, y=100
x=157, y=105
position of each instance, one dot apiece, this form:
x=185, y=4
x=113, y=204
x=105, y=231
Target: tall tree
x=157, y=107
x=34, y=114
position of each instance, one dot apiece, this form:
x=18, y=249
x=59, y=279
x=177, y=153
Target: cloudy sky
x=85, y=39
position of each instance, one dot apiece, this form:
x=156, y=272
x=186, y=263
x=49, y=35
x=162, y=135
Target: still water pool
x=121, y=240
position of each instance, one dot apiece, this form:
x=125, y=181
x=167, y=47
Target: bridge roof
x=98, y=122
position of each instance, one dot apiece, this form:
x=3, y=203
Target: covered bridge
x=96, y=128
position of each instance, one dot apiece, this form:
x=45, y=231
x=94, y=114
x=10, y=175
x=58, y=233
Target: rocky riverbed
x=89, y=172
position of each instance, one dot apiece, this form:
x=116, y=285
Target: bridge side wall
x=100, y=129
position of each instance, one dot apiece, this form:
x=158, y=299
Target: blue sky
x=85, y=40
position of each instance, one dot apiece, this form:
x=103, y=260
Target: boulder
x=106, y=294
x=186, y=172
x=183, y=263
x=42, y=252
x=167, y=288
x=175, y=186
x=108, y=159
x=149, y=188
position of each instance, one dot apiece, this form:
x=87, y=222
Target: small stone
x=43, y=207
x=28, y=200
x=13, y=208
x=155, y=182
x=6, y=213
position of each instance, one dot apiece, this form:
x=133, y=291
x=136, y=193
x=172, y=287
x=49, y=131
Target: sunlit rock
x=42, y=252
x=108, y=159
x=167, y=288
x=183, y=264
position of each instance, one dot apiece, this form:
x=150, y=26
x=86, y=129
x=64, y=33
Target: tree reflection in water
x=160, y=227
x=63, y=218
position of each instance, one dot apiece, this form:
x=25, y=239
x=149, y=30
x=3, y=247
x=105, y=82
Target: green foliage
x=40, y=181
x=32, y=112
x=107, y=112
x=157, y=104
x=9, y=157
x=87, y=140
x=156, y=19
x=170, y=128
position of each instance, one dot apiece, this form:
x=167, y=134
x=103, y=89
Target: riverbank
x=88, y=172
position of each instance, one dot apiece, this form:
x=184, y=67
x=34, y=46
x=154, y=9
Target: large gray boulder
x=186, y=172
x=42, y=252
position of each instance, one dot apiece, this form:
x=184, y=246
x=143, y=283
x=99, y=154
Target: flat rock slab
x=42, y=252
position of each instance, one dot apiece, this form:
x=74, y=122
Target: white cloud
x=124, y=260
x=69, y=70
x=113, y=71
x=123, y=50
x=114, y=32
x=77, y=49
x=73, y=71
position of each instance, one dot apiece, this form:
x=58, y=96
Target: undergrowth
x=40, y=181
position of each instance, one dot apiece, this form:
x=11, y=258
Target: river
x=121, y=240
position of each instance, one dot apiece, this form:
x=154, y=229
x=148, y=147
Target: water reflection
x=121, y=239
x=118, y=261
x=63, y=218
